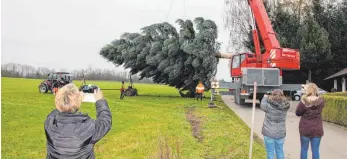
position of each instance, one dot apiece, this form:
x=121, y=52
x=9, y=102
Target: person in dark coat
x=122, y=91
x=71, y=134
x=275, y=107
x=311, y=123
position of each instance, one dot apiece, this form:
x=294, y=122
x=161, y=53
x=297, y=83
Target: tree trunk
x=300, y=2
x=188, y=94
x=310, y=75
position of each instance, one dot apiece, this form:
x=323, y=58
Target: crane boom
x=264, y=24
x=274, y=56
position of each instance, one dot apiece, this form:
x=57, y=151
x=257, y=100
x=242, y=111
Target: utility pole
x=253, y=116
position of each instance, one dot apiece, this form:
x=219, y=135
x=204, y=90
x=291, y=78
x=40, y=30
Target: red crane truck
x=264, y=68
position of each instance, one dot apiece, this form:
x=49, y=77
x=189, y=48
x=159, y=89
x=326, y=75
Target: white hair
x=68, y=98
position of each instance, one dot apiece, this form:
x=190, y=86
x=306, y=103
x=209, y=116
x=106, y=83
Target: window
x=243, y=56
x=236, y=61
x=55, y=76
x=50, y=76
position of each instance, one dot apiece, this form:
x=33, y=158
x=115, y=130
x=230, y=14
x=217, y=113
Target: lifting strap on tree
x=168, y=13
x=184, y=10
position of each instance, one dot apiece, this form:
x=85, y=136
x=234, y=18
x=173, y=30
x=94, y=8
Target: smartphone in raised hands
x=89, y=98
x=89, y=93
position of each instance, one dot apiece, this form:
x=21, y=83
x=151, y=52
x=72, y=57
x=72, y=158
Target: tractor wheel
x=135, y=92
x=129, y=92
x=43, y=88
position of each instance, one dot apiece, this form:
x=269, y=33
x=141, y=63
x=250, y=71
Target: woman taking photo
x=311, y=124
x=275, y=107
x=70, y=133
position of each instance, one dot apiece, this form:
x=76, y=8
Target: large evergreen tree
x=314, y=49
x=176, y=58
x=335, y=22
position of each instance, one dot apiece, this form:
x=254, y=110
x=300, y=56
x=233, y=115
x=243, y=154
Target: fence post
x=213, y=86
x=253, y=114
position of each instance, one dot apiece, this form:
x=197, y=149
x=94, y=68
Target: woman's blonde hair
x=68, y=98
x=311, y=89
x=277, y=94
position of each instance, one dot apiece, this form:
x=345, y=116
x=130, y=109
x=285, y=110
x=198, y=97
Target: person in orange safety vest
x=199, y=90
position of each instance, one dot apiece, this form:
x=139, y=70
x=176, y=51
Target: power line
x=167, y=15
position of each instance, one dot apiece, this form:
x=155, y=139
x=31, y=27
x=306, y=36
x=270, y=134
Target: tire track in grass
x=195, y=123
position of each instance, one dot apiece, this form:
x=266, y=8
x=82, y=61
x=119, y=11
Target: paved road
x=333, y=144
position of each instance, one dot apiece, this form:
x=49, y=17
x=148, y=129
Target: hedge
x=335, y=108
x=344, y=94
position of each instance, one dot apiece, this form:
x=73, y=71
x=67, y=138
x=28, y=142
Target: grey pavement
x=333, y=143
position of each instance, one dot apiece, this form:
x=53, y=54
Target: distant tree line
x=15, y=70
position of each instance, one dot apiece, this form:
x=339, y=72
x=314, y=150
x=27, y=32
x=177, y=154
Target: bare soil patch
x=195, y=123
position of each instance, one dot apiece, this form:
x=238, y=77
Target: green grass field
x=151, y=125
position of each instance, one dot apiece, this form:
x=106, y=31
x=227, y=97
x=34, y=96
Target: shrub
x=344, y=94
x=335, y=109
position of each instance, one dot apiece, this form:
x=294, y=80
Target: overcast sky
x=70, y=33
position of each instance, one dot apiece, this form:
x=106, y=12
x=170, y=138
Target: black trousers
x=198, y=95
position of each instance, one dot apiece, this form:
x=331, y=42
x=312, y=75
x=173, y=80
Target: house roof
x=338, y=74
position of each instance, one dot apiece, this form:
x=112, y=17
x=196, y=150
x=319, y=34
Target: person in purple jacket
x=311, y=123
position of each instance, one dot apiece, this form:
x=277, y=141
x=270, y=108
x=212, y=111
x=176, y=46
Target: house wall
x=340, y=83
x=344, y=83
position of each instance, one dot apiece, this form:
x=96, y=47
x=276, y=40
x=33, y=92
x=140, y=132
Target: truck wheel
x=260, y=98
x=242, y=102
x=43, y=88
x=297, y=98
x=237, y=98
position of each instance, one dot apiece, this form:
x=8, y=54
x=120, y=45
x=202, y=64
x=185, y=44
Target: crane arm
x=264, y=24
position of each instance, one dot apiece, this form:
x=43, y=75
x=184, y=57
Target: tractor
x=131, y=91
x=55, y=80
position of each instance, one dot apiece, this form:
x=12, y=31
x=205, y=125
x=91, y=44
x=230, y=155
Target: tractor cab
x=63, y=77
